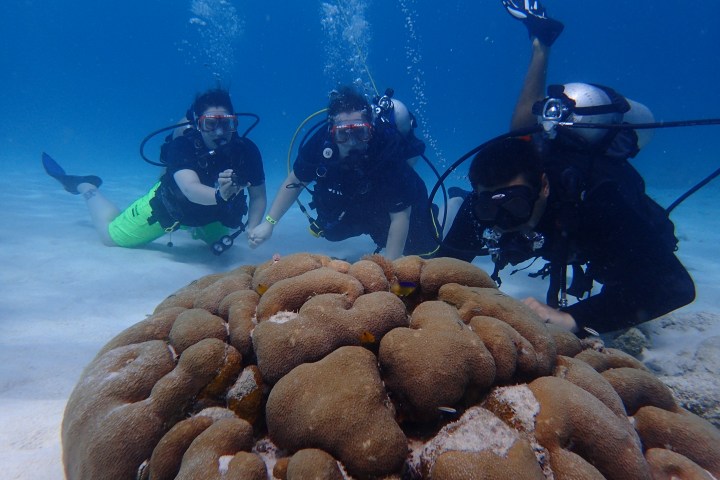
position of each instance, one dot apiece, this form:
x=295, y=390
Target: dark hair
x=216, y=97
x=502, y=162
x=347, y=99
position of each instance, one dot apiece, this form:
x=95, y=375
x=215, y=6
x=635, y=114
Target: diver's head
x=212, y=113
x=509, y=189
x=349, y=120
x=581, y=103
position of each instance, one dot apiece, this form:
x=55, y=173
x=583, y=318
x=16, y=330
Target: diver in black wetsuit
x=610, y=226
x=363, y=183
x=572, y=197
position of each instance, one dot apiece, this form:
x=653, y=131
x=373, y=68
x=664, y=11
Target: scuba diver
x=359, y=161
x=570, y=196
x=208, y=167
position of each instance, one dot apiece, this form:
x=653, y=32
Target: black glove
x=532, y=14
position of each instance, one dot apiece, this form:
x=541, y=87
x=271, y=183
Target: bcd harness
x=167, y=203
x=573, y=180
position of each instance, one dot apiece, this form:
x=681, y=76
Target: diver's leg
x=102, y=211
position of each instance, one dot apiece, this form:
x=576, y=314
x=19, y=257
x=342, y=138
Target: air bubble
x=215, y=27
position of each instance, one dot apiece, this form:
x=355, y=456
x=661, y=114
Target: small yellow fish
x=367, y=338
x=261, y=288
x=403, y=289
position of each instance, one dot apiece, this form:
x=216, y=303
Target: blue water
x=86, y=81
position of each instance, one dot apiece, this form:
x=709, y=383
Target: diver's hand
x=227, y=185
x=259, y=234
x=551, y=315
x=532, y=14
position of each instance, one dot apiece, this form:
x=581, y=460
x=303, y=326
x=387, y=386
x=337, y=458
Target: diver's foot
x=532, y=14
x=69, y=182
x=545, y=29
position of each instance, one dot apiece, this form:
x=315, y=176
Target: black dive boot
x=533, y=15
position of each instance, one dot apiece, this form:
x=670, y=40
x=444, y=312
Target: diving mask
x=552, y=109
x=506, y=208
x=213, y=123
x=358, y=131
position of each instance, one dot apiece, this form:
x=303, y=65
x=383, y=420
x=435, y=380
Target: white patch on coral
x=224, y=464
x=217, y=413
x=172, y=352
x=244, y=385
x=412, y=463
x=477, y=430
x=269, y=453
x=282, y=317
x=522, y=402
x=141, y=469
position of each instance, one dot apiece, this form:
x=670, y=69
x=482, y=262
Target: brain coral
x=309, y=367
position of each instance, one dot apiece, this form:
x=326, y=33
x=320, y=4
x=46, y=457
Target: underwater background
x=87, y=81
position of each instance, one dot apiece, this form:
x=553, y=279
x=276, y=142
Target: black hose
x=643, y=126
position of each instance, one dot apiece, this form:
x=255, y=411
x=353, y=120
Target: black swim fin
x=69, y=182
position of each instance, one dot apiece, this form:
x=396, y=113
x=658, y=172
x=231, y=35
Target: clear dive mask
x=358, y=131
x=213, y=123
x=551, y=111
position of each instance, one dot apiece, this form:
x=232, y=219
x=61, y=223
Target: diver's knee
x=107, y=239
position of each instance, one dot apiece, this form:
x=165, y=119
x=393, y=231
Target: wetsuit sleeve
x=641, y=276
x=178, y=154
x=398, y=181
x=251, y=160
x=464, y=239
x=400, y=187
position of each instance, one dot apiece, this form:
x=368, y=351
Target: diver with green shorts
x=208, y=166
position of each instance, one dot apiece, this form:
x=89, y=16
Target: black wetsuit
x=189, y=152
x=356, y=196
x=623, y=238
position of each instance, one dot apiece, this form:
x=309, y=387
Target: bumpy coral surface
x=309, y=367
